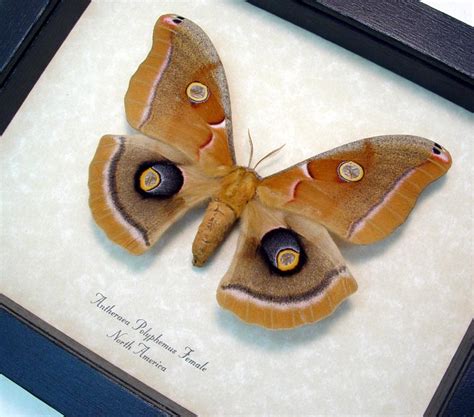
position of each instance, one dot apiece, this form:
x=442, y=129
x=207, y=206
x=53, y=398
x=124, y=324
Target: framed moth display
x=287, y=271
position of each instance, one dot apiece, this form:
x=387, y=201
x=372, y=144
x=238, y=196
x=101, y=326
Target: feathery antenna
x=269, y=154
x=251, y=149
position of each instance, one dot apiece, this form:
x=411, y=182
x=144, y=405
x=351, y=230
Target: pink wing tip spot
x=444, y=157
x=441, y=154
x=171, y=19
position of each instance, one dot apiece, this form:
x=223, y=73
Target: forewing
x=179, y=94
x=361, y=191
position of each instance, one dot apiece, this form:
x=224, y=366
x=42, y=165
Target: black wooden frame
x=374, y=37
x=35, y=53
x=69, y=377
x=407, y=37
x=454, y=395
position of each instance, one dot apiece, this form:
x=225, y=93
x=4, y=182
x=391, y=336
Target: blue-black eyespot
x=282, y=251
x=158, y=179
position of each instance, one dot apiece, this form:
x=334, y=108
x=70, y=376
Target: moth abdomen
x=218, y=220
x=237, y=189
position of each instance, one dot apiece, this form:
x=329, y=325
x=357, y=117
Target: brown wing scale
x=394, y=171
x=260, y=294
x=128, y=218
x=179, y=94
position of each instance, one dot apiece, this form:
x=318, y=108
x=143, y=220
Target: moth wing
x=139, y=186
x=286, y=272
x=361, y=191
x=179, y=94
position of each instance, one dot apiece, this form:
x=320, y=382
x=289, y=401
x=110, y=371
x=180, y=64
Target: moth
x=287, y=271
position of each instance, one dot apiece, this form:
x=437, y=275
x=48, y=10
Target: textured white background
x=382, y=353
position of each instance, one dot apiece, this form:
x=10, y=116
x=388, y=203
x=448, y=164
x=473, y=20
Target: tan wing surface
x=179, y=94
x=361, y=191
x=139, y=187
x=286, y=272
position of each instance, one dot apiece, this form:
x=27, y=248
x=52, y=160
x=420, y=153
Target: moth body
x=238, y=188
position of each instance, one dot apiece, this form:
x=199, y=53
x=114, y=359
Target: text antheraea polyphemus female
x=287, y=271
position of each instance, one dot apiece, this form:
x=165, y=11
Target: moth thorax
x=238, y=188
